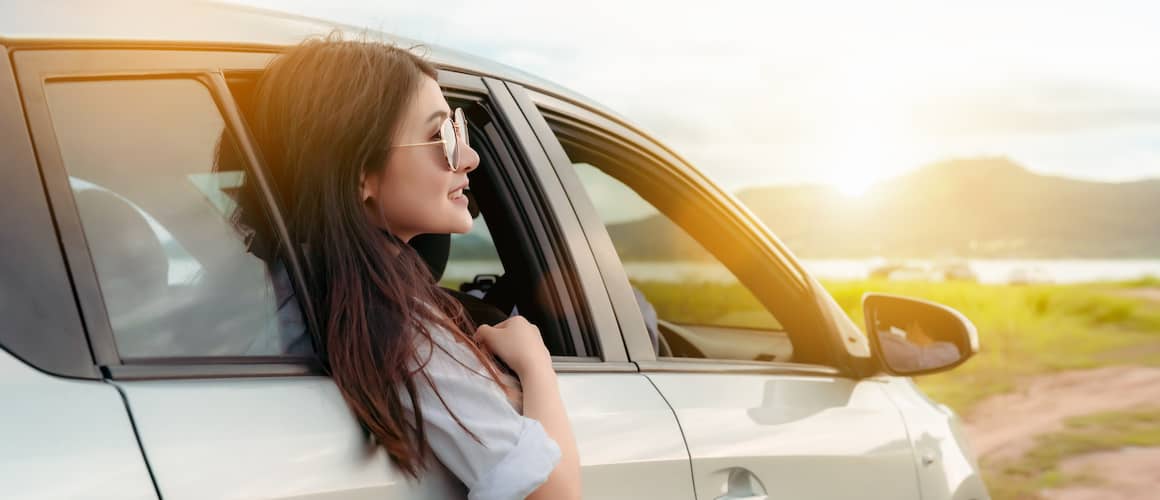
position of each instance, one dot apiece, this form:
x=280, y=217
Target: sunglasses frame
x=456, y=124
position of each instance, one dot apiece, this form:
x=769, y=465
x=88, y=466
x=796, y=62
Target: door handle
x=741, y=484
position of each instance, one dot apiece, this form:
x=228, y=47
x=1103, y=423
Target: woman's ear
x=367, y=186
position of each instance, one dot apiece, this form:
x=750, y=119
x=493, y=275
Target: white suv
x=143, y=357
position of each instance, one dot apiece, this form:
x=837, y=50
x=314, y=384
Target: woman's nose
x=469, y=160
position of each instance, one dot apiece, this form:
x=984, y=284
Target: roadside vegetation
x=1038, y=469
x=1024, y=331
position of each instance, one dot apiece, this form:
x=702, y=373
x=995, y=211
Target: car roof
x=213, y=23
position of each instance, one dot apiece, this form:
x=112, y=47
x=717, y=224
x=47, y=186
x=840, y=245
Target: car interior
x=753, y=335
x=522, y=287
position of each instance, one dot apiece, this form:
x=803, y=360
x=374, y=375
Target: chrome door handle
x=742, y=484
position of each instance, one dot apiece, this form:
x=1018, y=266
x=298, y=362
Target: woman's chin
x=463, y=226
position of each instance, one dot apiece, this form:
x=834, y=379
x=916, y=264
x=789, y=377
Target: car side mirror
x=916, y=337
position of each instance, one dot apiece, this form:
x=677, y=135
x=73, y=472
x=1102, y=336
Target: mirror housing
x=915, y=337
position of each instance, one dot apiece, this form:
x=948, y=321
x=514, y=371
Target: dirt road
x=1005, y=426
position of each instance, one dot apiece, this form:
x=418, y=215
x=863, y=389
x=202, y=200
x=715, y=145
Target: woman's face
x=416, y=192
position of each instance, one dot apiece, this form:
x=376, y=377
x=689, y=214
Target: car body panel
x=295, y=438
x=799, y=436
x=66, y=438
x=946, y=464
x=629, y=441
x=265, y=437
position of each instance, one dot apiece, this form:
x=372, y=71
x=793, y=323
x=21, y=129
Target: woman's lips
x=458, y=197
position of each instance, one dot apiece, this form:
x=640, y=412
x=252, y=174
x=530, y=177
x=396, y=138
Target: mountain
x=983, y=208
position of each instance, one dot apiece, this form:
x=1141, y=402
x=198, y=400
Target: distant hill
x=989, y=207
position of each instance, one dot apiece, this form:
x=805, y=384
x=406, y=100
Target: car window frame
x=43, y=322
x=782, y=270
x=585, y=304
x=558, y=225
x=35, y=69
x=523, y=216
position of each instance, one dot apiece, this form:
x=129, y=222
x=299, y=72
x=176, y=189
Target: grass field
x=1023, y=330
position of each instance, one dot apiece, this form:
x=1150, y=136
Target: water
x=1000, y=271
x=989, y=271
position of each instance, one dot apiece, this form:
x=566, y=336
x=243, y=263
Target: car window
x=684, y=283
x=177, y=272
x=473, y=258
x=693, y=304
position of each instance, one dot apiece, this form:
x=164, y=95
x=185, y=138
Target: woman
x=366, y=154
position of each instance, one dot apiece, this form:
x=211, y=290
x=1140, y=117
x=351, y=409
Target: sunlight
x=853, y=188
x=865, y=136
x=862, y=154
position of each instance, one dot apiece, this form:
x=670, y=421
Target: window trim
x=55, y=341
x=574, y=260
x=523, y=224
x=36, y=68
x=787, y=273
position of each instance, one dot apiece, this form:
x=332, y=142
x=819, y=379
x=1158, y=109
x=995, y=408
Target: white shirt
x=514, y=454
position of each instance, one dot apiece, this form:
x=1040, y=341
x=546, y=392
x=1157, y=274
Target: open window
x=506, y=264
x=701, y=276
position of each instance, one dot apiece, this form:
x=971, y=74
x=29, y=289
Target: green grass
x=1027, y=330
x=1039, y=467
x=1023, y=330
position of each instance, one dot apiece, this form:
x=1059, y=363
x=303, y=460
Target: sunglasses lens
x=450, y=145
x=462, y=124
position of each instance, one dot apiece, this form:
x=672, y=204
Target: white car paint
x=295, y=438
x=66, y=439
x=803, y=436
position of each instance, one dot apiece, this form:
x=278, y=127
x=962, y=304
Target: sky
x=842, y=93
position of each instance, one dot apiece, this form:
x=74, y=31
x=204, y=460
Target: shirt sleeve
x=514, y=454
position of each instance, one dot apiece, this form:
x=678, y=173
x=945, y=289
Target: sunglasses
x=451, y=132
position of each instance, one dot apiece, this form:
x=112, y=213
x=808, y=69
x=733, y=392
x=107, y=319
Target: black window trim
x=36, y=68
x=793, y=279
x=562, y=229
x=520, y=238
x=44, y=328
x=207, y=64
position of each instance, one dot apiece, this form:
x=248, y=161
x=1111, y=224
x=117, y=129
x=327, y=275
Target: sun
x=853, y=187
x=864, y=150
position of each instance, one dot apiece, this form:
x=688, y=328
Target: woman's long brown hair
x=323, y=113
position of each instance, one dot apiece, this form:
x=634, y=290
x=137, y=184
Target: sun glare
x=853, y=188
x=866, y=144
x=864, y=135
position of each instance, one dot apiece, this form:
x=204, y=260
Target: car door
x=65, y=433
x=629, y=441
x=184, y=319
x=757, y=375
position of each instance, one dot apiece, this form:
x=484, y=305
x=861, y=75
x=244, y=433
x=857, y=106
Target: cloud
x=762, y=92
x=1042, y=108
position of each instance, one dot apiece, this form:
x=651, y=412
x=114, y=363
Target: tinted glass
x=161, y=221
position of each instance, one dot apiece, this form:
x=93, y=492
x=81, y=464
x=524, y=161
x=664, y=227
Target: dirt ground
x=1005, y=426
x=1132, y=473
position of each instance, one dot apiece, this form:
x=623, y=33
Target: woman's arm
x=519, y=344
x=542, y=402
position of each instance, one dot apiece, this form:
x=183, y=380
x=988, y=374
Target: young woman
x=366, y=154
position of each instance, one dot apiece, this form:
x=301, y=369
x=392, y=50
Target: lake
x=992, y=271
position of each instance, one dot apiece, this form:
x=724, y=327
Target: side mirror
x=916, y=337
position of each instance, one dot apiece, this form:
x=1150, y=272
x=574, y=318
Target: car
x=141, y=349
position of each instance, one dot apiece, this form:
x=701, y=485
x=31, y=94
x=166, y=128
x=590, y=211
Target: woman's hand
x=517, y=343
